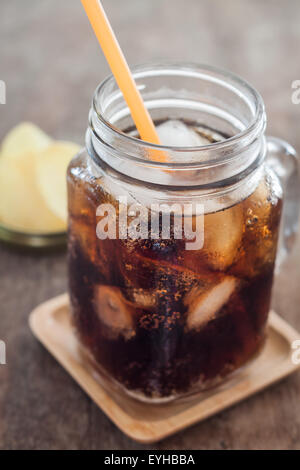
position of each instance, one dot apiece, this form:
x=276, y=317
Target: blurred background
x=52, y=63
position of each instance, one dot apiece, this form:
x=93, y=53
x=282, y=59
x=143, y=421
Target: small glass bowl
x=34, y=239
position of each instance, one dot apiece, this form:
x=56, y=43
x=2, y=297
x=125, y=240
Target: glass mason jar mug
x=171, y=263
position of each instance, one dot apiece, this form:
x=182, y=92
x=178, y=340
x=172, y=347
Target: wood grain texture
x=51, y=64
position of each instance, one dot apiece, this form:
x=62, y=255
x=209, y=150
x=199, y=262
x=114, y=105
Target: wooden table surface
x=51, y=64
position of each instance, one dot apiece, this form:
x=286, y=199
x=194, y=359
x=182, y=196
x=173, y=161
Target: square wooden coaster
x=147, y=423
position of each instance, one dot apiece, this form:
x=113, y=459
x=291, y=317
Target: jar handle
x=282, y=158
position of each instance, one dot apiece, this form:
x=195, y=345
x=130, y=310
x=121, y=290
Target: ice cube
x=204, y=306
x=262, y=217
x=114, y=311
x=223, y=233
x=175, y=133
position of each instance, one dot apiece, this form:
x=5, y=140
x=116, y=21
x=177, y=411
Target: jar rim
x=215, y=74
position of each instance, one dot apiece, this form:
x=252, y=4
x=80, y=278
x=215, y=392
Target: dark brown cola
x=163, y=321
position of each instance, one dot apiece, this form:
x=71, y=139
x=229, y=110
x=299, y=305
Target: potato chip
x=21, y=205
x=51, y=169
x=24, y=138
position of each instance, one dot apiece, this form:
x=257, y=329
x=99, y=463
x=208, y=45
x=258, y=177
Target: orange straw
x=122, y=74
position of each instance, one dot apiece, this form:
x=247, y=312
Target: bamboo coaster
x=147, y=423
